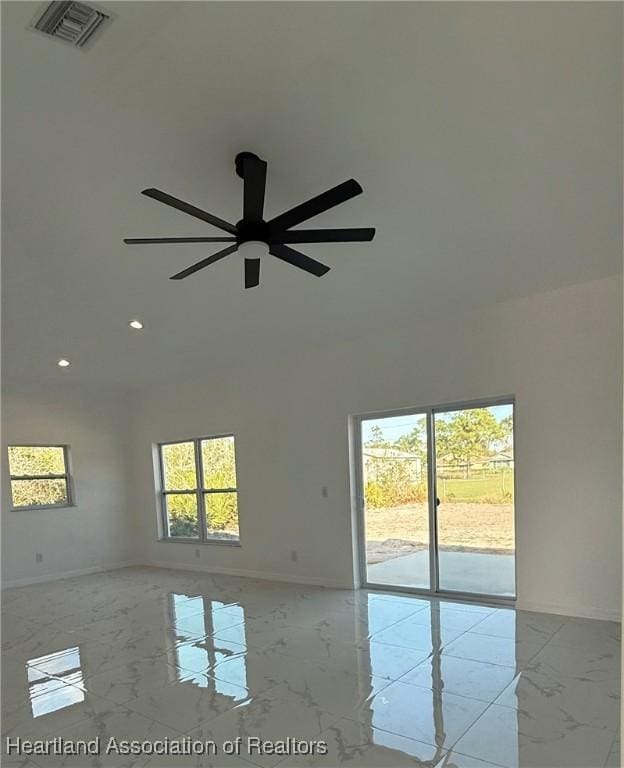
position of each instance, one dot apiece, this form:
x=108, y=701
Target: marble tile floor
x=172, y=658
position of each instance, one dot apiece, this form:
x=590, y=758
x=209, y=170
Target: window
x=39, y=476
x=198, y=487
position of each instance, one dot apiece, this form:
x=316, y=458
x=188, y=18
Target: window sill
x=198, y=542
x=42, y=506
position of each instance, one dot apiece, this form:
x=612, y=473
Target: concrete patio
x=484, y=573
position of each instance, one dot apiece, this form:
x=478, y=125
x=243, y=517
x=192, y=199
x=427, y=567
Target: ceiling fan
x=254, y=236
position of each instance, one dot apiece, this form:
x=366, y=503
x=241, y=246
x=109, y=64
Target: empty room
x=311, y=384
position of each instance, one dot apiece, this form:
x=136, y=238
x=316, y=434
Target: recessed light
x=63, y=363
x=136, y=324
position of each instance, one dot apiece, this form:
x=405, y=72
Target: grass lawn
x=477, y=489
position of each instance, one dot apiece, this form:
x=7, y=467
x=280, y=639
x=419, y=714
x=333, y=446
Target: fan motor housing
x=252, y=230
x=240, y=159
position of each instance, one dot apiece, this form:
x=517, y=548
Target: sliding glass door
x=396, y=492
x=437, y=499
x=474, y=485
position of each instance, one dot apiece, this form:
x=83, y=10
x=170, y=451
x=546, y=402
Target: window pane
x=222, y=515
x=396, y=494
x=36, y=460
x=182, y=515
x=475, y=485
x=219, y=463
x=178, y=461
x=30, y=493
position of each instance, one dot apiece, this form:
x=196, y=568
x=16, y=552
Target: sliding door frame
x=429, y=411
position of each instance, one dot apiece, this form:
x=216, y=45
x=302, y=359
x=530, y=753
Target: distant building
x=375, y=458
x=502, y=459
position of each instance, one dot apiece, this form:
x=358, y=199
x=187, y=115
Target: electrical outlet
x=38, y=557
x=294, y=555
x=197, y=553
x=324, y=492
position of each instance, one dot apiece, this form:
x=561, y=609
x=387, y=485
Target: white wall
x=99, y=531
x=559, y=353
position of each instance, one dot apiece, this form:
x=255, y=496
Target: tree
x=414, y=442
x=506, y=425
x=377, y=439
x=469, y=435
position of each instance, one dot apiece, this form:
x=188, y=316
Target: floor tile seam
x=97, y=697
x=362, y=646
x=512, y=709
x=448, y=693
x=149, y=717
x=180, y=627
x=616, y=643
x=472, y=725
x=487, y=762
x=454, y=693
x=521, y=710
x=434, y=600
x=408, y=647
x=424, y=624
x=115, y=667
x=355, y=642
x=394, y=733
x=469, y=658
x=332, y=715
x=525, y=664
x=450, y=746
x=611, y=750
x=38, y=666
x=505, y=637
x=561, y=676
x=283, y=762
x=585, y=651
x=210, y=673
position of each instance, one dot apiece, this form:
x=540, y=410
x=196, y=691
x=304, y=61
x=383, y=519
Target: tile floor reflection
x=382, y=679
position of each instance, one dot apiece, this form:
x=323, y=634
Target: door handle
x=437, y=501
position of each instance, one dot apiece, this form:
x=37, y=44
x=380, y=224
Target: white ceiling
x=487, y=138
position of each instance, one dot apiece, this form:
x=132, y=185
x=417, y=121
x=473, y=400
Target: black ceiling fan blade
x=316, y=205
x=252, y=273
x=191, y=210
x=298, y=259
x=359, y=235
x=204, y=263
x=146, y=240
x=254, y=185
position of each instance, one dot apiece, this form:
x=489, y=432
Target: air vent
x=72, y=22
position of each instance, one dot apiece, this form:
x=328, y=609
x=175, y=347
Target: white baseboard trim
x=316, y=581
x=593, y=612
x=58, y=575
x=583, y=612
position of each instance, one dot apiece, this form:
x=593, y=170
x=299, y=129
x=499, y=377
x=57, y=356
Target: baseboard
x=315, y=581
x=7, y=584
x=583, y=612
x=593, y=612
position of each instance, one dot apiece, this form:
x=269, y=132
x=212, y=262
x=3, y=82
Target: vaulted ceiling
x=487, y=137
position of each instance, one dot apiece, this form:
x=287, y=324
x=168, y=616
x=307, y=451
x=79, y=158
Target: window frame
x=67, y=476
x=199, y=491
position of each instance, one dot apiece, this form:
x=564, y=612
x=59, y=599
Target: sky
x=394, y=427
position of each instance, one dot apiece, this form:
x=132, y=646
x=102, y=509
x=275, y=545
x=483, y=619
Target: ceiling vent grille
x=72, y=22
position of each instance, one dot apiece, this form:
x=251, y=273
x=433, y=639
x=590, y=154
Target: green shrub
x=386, y=494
